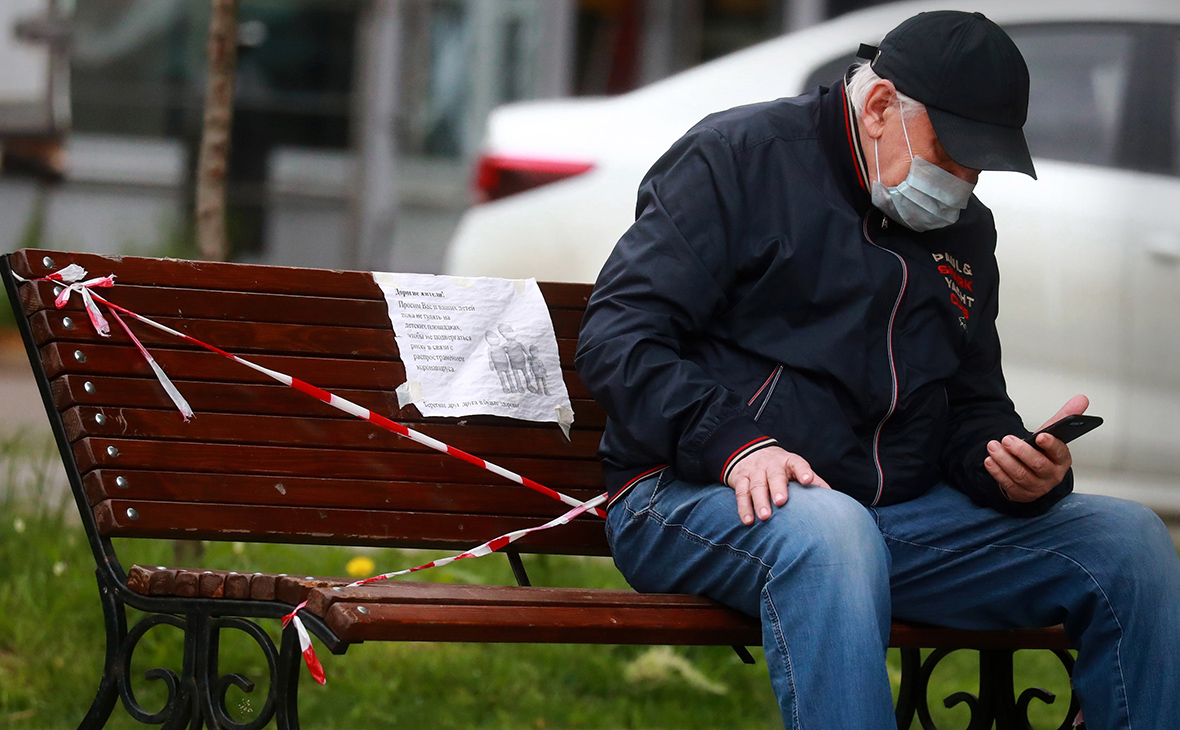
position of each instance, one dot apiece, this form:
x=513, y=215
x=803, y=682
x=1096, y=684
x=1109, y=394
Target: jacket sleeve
x=981, y=411
x=667, y=277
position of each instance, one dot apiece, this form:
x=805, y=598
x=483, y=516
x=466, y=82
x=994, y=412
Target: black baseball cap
x=972, y=79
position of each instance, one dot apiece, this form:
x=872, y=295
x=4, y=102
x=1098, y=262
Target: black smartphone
x=1068, y=428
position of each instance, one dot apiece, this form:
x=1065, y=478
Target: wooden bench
x=262, y=462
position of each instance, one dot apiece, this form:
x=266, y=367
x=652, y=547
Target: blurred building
x=356, y=121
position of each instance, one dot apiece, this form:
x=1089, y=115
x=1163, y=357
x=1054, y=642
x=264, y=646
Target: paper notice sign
x=476, y=346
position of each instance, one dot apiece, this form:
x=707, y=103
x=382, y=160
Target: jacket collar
x=840, y=140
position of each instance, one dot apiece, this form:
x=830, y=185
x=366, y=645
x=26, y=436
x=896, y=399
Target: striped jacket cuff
x=743, y=452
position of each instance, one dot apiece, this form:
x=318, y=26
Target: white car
x=1089, y=253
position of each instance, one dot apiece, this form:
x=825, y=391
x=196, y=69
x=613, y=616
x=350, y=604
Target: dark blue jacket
x=760, y=297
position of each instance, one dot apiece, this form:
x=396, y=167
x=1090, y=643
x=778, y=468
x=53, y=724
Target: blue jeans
x=827, y=575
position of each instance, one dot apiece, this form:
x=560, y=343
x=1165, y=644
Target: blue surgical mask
x=928, y=198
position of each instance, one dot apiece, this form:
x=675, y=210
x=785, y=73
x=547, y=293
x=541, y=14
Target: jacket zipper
x=892, y=366
x=771, y=382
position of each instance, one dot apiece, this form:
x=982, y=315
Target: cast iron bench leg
x=287, y=678
x=115, y=619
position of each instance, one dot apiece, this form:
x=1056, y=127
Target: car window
x=1176, y=115
x=1079, y=76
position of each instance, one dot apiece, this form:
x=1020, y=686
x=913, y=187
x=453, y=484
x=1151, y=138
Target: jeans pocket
x=664, y=478
x=630, y=506
x=641, y=494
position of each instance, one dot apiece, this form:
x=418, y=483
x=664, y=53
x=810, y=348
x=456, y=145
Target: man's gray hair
x=861, y=83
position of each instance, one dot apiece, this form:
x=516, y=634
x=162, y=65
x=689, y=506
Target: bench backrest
x=263, y=462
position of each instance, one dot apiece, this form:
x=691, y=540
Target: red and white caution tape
x=343, y=404
x=74, y=276
x=169, y=388
x=313, y=662
x=489, y=547
x=73, y=273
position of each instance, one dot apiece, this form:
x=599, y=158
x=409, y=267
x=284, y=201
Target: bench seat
x=424, y=611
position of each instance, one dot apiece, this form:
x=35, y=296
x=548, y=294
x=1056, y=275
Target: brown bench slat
x=542, y=624
x=70, y=391
x=237, y=306
x=395, y=592
x=295, y=589
x=502, y=497
x=351, y=433
x=169, y=301
x=430, y=466
x=60, y=358
x=244, y=338
x=238, y=337
x=244, y=277
x=635, y=623
x=408, y=592
x=323, y=526
x=203, y=274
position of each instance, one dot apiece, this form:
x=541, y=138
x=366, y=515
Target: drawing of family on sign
x=519, y=369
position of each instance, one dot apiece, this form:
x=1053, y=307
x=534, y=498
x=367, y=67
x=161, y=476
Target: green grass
x=7, y=318
x=51, y=645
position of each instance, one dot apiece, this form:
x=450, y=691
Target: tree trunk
x=213, y=163
x=213, y=167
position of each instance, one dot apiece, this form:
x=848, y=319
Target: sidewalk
x=23, y=421
x=20, y=403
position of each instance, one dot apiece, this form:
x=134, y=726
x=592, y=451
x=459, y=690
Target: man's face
x=884, y=119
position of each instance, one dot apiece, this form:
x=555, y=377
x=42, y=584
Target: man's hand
x=1023, y=472
x=763, y=475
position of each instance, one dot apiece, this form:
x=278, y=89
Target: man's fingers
x=1012, y=488
x=761, y=480
x=1023, y=472
x=799, y=469
x=760, y=494
x=1007, y=486
x=1011, y=466
x=745, y=507
x=804, y=474
x=1053, y=448
x=1038, y=463
x=778, y=487
x=1075, y=406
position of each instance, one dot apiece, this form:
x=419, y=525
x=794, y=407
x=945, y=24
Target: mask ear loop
x=901, y=110
x=877, y=159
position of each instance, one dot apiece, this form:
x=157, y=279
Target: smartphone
x=1068, y=428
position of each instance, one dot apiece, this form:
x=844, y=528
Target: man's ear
x=881, y=98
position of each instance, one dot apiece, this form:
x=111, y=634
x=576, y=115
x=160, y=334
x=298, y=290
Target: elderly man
x=803, y=317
